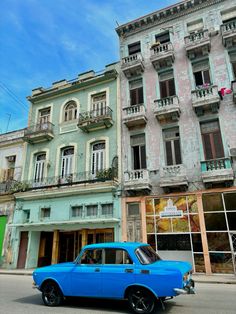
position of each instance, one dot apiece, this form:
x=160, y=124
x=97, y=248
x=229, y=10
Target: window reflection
x=215, y=221
x=199, y=263
x=230, y=201
x=212, y=202
x=221, y=263
x=218, y=241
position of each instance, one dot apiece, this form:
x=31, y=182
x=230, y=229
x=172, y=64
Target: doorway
x=45, y=249
x=22, y=250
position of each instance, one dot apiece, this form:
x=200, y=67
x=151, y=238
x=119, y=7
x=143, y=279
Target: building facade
x=11, y=161
x=69, y=195
x=178, y=71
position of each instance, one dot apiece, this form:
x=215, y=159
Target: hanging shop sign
x=171, y=211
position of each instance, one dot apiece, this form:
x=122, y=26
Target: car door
x=86, y=276
x=117, y=273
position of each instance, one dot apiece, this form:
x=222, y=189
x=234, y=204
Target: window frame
x=70, y=114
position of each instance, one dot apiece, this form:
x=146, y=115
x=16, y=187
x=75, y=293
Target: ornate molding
x=162, y=16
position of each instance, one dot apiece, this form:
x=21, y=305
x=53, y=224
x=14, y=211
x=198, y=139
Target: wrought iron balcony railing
x=95, y=115
x=71, y=179
x=216, y=164
x=39, y=128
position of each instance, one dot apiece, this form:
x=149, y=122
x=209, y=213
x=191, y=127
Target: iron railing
x=95, y=115
x=44, y=127
x=216, y=164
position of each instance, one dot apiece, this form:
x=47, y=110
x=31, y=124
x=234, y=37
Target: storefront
x=199, y=228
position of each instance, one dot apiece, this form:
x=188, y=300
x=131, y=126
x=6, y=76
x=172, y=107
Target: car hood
x=183, y=267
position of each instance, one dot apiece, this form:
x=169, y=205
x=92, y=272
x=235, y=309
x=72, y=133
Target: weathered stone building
x=178, y=67
x=11, y=161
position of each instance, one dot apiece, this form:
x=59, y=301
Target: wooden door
x=22, y=250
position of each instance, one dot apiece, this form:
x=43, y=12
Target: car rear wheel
x=141, y=301
x=51, y=294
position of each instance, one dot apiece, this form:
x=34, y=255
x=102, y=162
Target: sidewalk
x=227, y=279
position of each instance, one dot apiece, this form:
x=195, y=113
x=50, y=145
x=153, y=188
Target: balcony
x=197, y=44
x=216, y=171
x=228, y=32
x=233, y=84
x=166, y=109
x=73, y=179
x=162, y=55
x=134, y=116
x=40, y=132
x=95, y=119
x=137, y=182
x=206, y=99
x=173, y=177
x=132, y=65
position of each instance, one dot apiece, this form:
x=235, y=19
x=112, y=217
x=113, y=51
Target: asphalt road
x=17, y=296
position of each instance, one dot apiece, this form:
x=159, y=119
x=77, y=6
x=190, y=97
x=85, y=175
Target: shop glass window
x=149, y=207
x=192, y=203
x=136, y=92
x=212, y=202
x=151, y=239
x=163, y=225
x=150, y=224
x=194, y=223
x=215, y=221
x=167, y=88
x=197, y=242
x=199, y=263
x=175, y=242
x=231, y=216
x=138, y=151
x=218, y=241
x=134, y=48
x=180, y=224
x=212, y=141
x=230, y=201
x=172, y=146
x=221, y=263
x=160, y=204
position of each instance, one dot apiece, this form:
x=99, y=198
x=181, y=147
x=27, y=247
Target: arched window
x=39, y=168
x=70, y=111
x=98, y=157
x=67, y=157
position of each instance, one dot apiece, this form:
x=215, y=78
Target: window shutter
x=143, y=157
x=163, y=89
x=207, y=146
x=206, y=75
x=178, y=160
x=198, y=78
x=219, y=150
x=171, y=87
x=169, y=157
x=136, y=158
x=140, y=95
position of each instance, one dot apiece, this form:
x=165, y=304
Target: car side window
x=117, y=256
x=92, y=257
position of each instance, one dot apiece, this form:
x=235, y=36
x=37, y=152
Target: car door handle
x=97, y=270
x=129, y=270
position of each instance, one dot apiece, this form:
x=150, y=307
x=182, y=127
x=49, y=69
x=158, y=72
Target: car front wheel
x=141, y=301
x=51, y=294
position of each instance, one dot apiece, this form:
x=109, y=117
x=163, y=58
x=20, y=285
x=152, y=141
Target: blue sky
x=42, y=41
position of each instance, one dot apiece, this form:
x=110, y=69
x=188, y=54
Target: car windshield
x=147, y=255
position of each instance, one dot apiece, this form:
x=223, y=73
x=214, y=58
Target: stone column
x=55, y=247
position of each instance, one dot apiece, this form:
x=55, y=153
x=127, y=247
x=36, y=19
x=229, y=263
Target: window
x=138, y=151
x=134, y=48
x=212, y=141
x=39, y=169
x=172, y=146
x=167, y=88
x=92, y=257
x=98, y=157
x=147, y=255
x=234, y=69
x=44, y=116
x=195, y=26
x=117, y=256
x=67, y=157
x=70, y=112
x=92, y=210
x=133, y=209
x=107, y=209
x=99, y=104
x=76, y=211
x=45, y=212
x=26, y=215
x=163, y=38
x=136, y=92
x=202, y=77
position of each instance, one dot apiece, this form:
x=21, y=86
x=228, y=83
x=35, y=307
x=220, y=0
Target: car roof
x=123, y=245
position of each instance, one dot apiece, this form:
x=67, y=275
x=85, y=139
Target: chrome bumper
x=188, y=288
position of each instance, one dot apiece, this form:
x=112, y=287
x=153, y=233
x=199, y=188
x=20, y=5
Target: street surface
x=17, y=296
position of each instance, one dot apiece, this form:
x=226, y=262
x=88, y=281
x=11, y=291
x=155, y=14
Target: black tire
x=51, y=294
x=141, y=301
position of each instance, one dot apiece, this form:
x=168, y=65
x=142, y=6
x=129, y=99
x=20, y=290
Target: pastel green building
x=69, y=195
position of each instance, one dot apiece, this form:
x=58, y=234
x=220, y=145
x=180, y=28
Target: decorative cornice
x=162, y=16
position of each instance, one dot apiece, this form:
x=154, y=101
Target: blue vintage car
x=132, y=271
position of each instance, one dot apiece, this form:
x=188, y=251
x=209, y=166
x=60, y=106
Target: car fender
x=139, y=285
x=51, y=279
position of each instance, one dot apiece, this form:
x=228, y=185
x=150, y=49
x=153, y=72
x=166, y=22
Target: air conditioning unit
x=232, y=152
